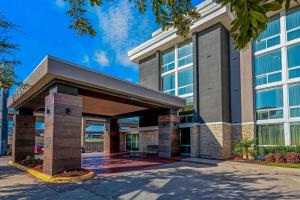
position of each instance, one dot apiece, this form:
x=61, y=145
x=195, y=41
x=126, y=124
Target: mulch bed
x=38, y=165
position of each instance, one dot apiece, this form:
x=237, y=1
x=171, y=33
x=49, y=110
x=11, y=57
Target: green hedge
x=277, y=149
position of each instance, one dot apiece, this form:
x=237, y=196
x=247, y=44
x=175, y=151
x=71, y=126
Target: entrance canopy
x=101, y=94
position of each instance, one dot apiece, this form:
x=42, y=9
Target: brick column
x=111, y=137
x=195, y=139
x=23, y=137
x=168, y=136
x=62, y=133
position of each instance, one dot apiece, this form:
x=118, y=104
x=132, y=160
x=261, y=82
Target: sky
x=43, y=30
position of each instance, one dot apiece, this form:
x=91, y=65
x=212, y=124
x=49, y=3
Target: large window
x=185, y=81
x=132, y=142
x=168, y=60
x=293, y=24
x=268, y=67
x=269, y=104
x=185, y=54
x=293, y=57
x=270, y=37
x=177, y=71
x=295, y=133
x=294, y=100
x=168, y=82
x=270, y=134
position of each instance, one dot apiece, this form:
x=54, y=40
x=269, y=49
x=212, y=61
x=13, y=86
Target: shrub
x=270, y=157
x=279, y=158
x=278, y=149
x=243, y=148
x=292, y=157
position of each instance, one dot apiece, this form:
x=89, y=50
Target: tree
x=7, y=58
x=251, y=16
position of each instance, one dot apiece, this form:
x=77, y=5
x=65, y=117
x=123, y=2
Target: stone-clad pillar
x=168, y=136
x=23, y=137
x=62, y=138
x=111, y=137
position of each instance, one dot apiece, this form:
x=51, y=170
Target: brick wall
x=147, y=137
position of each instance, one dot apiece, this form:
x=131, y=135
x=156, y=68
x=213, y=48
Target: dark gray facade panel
x=195, y=75
x=149, y=72
x=213, y=75
x=235, y=84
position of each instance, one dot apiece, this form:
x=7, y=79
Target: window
x=293, y=24
x=270, y=37
x=270, y=134
x=295, y=133
x=168, y=60
x=294, y=100
x=268, y=67
x=293, y=53
x=168, y=82
x=185, y=81
x=189, y=100
x=40, y=125
x=269, y=104
x=132, y=142
x=185, y=54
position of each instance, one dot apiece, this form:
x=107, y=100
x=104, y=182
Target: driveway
x=189, y=179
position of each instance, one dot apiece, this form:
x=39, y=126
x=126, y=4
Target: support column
x=168, y=136
x=111, y=137
x=23, y=136
x=4, y=121
x=62, y=133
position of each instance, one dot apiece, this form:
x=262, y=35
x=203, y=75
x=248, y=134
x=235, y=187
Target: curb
x=51, y=179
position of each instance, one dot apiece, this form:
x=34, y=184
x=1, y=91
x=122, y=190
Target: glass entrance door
x=132, y=142
x=185, y=142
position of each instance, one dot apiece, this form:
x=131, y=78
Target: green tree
x=7, y=58
x=251, y=16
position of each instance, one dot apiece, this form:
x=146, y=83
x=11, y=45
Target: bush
x=278, y=149
x=293, y=157
x=279, y=158
x=243, y=148
x=270, y=157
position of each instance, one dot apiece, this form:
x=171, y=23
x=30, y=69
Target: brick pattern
x=215, y=141
x=168, y=135
x=62, y=137
x=240, y=131
x=23, y=137
x=195, y=138
x=147, y=137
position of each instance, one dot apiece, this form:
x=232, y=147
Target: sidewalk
x=246, y=167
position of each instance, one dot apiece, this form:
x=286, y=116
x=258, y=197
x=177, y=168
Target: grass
x=287, y=165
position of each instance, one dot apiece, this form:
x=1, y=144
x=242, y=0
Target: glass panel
x=267, y=63
x=185, y=81
x=168, y=82
x=266, y=38
x=271, y=134
x=294, y=95
x=168, y=59
x=294, y=73
x=185, y=50
x=295, y=112
x=295, y=133
x=40, y=125
x=132, y=142
x=293, y=23
x=293, y=53
x=270, y=98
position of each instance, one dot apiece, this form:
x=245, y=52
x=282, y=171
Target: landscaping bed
x=277, y=156
x=35, y=167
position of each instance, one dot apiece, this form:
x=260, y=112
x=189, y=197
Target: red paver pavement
x=122, y=162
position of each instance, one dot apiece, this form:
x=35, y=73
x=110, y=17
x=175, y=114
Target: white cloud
x=86, y=59
x=122, y=28
x=101, y=58
x=60, y=3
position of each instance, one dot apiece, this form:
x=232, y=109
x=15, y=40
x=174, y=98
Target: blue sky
x=44, y=31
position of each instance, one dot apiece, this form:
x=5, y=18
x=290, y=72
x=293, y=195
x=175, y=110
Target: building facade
x=230, y=94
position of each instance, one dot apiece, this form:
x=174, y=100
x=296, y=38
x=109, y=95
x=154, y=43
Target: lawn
x=287, y=165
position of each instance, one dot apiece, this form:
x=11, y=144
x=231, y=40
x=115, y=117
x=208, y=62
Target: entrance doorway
x=185, y=142
x=132, y=142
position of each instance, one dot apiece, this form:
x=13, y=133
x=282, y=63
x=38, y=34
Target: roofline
x=52, y=68
x=211, y=13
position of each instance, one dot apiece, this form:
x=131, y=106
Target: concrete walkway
x=190, y=179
